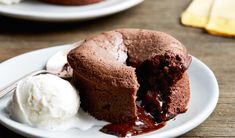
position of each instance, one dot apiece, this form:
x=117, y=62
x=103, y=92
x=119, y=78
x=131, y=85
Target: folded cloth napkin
x=197, y=14
x=216, y=16
x=222, y=18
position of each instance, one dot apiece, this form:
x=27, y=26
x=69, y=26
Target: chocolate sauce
x=145, y=123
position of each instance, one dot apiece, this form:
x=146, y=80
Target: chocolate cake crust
x=108, y=85
x=144, y=44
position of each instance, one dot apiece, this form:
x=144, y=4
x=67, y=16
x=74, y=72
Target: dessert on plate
x=120, y=71
x=134, y=79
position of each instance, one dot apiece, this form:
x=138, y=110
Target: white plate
x=36, y=10
x=204, y=96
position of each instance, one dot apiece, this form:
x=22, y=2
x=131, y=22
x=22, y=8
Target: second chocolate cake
x=112, y=67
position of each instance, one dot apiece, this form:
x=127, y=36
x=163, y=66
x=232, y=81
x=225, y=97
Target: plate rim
x=71, y=16
x=170, y=133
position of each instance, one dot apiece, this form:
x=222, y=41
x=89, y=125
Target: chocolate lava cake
x=115, y=70
x=72, y=2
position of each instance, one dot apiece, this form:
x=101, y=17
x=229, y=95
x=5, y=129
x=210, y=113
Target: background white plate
x=36, y=10
x=204, y=96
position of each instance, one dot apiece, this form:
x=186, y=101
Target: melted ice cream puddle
x=82, y=121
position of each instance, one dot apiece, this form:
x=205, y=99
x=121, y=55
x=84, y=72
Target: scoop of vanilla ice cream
x=44, y=101
x=9, y=2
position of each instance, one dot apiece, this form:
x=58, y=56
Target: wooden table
x=17, y=37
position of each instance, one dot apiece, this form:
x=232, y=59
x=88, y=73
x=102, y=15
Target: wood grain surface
x=18, y=36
